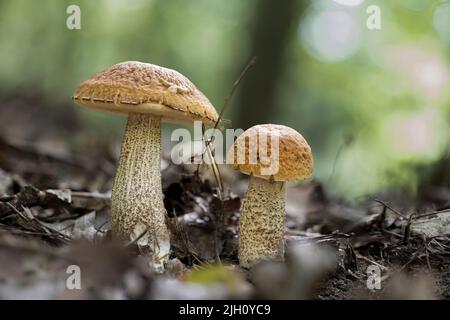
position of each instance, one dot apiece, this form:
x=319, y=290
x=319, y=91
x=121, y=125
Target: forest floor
x=54, y=213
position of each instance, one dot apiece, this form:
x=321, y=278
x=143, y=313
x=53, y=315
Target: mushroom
x=149, y=95
x=271, y=154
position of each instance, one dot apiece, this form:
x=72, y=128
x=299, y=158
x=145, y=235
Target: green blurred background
x=374, y=104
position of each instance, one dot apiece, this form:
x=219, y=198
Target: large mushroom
x=149, y=95
x=271, y=154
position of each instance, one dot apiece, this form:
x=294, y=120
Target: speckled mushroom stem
x=137, y=198
x=261, y=225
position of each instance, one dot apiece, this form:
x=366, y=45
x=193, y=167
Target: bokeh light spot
x=415, y=135
x=441, y=22
x=351, y=3
x=330, y=35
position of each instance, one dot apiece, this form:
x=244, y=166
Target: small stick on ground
x=396, y=212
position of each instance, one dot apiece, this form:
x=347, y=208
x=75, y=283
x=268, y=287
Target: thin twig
x=233, y=88
x=396, y=212
x=90, y=195
x=371, y=261
x=216, y=170
x=136, y=239
x=419, y=216
x=49, y=231
x=346, y=143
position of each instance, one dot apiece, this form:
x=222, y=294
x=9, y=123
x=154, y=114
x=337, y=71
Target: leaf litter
x=55, y=212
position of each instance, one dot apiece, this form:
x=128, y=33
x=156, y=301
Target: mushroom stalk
x=137, y=199
x=261, y=225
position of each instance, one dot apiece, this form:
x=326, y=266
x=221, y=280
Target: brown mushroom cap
x=295, y=161
x=137, y=87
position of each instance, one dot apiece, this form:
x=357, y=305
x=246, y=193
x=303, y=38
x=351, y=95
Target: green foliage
x=344, y=108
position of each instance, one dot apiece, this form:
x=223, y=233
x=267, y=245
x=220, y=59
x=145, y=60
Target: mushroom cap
x=293, y=162
x=137, y=87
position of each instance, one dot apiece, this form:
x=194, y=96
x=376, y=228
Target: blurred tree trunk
x=274, y=26
x=434, y=183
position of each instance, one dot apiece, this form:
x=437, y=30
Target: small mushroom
x=149, y=95
x=271, y=154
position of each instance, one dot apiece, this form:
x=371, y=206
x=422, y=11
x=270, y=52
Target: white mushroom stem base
x=261, y=225
x=137, y=199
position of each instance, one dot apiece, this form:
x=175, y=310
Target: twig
x=392, y=233
x=47, y=230
x=136, y=239
x=407, y=232
x=99, y=229
x=419, y=216
x=413, y=258
x=371, y=261
x=216, y=170
x=90, y=195
x=350, y=272
x=427, y=253
x=345, y=144
x=233, y=89
x=396, y=212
